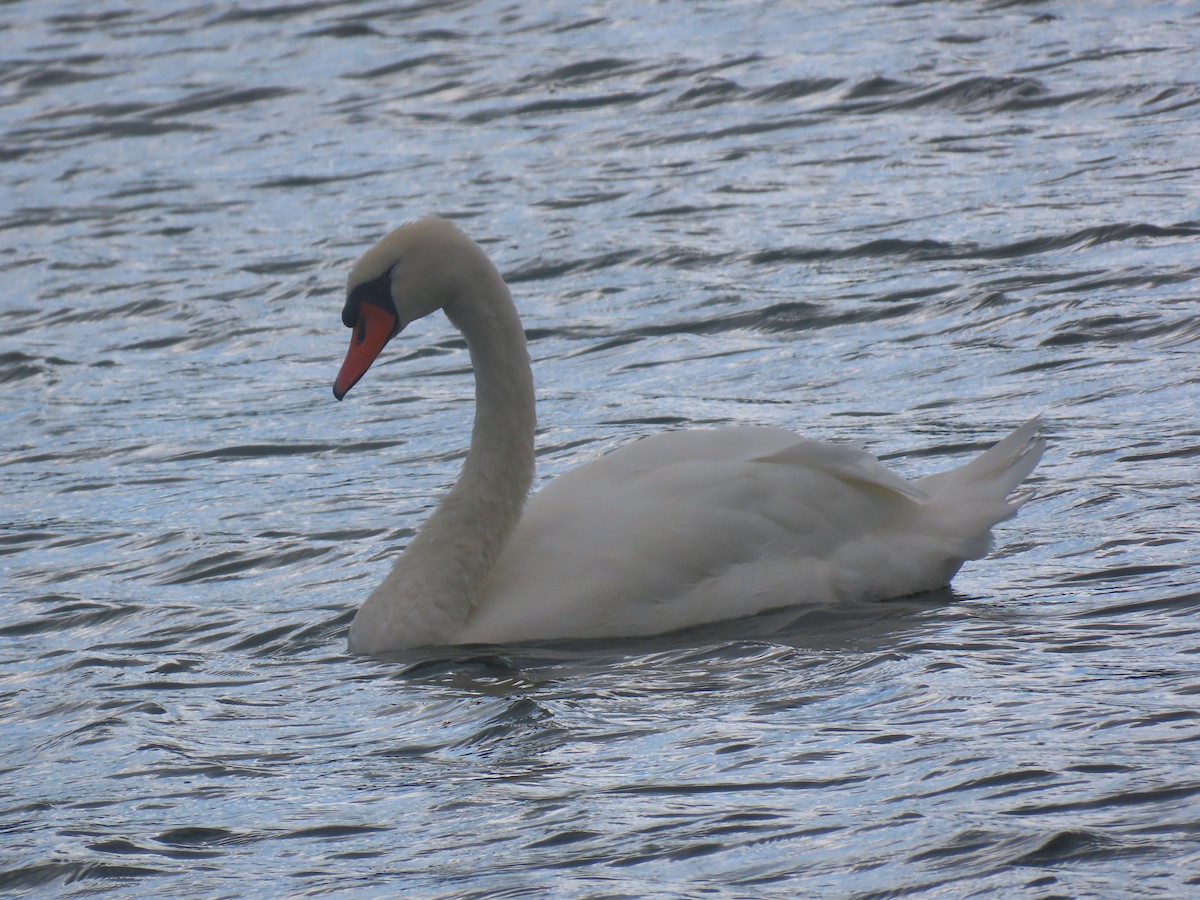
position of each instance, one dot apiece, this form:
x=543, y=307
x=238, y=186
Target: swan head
x=420, y=267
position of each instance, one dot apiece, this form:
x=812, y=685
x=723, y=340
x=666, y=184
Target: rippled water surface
x=912, y=224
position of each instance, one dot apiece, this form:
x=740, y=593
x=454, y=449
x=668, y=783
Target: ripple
x=839, y=220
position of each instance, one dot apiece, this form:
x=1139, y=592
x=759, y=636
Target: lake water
x=910, y=224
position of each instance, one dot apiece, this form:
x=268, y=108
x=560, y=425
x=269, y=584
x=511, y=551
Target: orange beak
x=374, y=328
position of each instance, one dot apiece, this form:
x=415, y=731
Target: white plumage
x=674, y=530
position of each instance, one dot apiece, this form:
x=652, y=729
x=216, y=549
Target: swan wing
x=690, y=527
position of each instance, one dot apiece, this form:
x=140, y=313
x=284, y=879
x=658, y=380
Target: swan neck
x=441, y=573
x=499, y=466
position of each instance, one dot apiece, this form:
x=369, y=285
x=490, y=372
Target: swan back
x=697, y=526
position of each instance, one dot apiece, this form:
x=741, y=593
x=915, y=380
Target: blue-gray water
x=913, y=224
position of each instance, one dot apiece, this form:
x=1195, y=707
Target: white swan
x=678, y=529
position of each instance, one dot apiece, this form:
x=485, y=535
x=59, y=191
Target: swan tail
x=965, y=503
x=994, y=475
x=949, y=522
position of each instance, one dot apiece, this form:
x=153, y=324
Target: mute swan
x=678, y=529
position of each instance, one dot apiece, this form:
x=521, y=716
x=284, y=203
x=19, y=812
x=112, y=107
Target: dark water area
x=913, y=225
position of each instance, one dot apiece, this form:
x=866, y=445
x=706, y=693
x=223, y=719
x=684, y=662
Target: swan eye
x=377, y=292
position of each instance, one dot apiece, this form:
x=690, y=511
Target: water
x=910, y=224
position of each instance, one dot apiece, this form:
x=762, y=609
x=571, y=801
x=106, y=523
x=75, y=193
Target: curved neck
x=499, y=465
x=435, y=583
